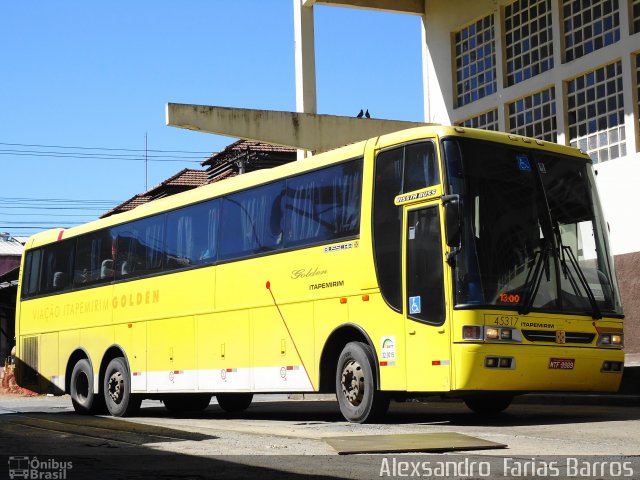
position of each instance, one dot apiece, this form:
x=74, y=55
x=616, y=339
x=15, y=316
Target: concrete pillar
x=425, y=69
x=305, y=58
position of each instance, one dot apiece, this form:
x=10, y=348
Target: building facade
x=11, y=249
x=564, y=71
x=10, y=252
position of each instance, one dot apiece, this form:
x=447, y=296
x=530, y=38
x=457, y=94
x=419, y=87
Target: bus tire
x=488, y=405
x=117, y=389
x=234, y=402
x=81, y=388
x=356, y=389
x=186, y=402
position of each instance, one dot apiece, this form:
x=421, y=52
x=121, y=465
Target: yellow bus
x=431, y=261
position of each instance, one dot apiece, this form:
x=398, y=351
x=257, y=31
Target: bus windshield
x=533, y=236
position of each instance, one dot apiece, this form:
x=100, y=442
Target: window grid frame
x=577, y=42
x=481, y=121
x=585, y=96
x=634, y=17
x=524, y=57
x=474, y=75
x=529, y=105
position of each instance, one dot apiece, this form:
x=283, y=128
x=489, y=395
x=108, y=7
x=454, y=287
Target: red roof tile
x=183, y=180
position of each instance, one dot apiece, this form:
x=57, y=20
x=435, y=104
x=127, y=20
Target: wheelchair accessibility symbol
x=414, y=305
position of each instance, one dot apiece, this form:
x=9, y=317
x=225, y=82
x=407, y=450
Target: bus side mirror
x=451, y=205
x=452, y=225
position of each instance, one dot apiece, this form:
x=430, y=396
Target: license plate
x=562, y=363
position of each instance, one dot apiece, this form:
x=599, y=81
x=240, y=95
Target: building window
x=534, y=116
x=475, y=61
x=529, y=47
x=487, y=121
x=596, y=113
x=589, y=25
x=635, y=16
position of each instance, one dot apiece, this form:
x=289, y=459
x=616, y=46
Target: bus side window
x=140, y=248
x=323, y=205
x=57, y=264
x=94, y=259
x=252, y=221
x=31, y=273
x=192, y=235
x=420, y=166
x=387, y=225
x=425, y=287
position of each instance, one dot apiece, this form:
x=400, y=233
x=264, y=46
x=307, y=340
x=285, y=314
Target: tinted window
x=57, y=264
x=324, y=205
x=252, y=221
x=387, y=226
x=140, y=247
x=425, y=286
x=94, y=258
x=31, y=272
x=192, y=235
x=420, y=166
x=398, y=170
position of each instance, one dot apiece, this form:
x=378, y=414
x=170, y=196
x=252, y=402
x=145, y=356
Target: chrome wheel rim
x=353, y=382
x=116, y=387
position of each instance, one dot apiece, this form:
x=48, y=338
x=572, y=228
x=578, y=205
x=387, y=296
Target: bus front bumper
x=528, y=368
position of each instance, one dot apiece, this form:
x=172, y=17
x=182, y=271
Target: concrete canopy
x=306, y=131
x=415, y=7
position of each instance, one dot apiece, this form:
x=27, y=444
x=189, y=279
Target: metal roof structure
x=9, y=246
x=244, y=156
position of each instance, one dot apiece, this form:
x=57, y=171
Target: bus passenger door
x=428, y=351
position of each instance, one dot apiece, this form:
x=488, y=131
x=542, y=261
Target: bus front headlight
x=502, y=334
x=611, y=340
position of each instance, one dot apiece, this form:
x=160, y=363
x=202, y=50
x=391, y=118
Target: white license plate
x=562, y=363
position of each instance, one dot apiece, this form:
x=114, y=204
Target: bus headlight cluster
x=494, y=333
x=610, y=340
x=479, y=332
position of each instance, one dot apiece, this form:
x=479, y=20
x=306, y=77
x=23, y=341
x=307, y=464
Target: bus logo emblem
x=19, y=467
x=561, y=336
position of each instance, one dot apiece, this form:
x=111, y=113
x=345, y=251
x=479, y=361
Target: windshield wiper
x=596, y=314
x=534, y=277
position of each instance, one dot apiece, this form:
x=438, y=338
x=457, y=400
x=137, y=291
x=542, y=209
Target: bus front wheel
x=117, y=389
x=234, y=402
x=359, y=400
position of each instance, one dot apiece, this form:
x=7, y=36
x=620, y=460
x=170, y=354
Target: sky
x=83, y=84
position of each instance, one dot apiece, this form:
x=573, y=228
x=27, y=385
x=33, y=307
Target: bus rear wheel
x=359, y=400
x=488, y=405
x=117, y=389
x=83, y=399
x=186, y=402
x=234, y=402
